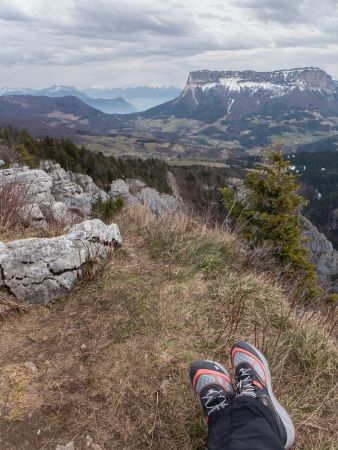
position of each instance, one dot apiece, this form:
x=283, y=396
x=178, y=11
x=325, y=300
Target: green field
x=195, y=162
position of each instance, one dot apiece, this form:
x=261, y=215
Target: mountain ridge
x=116, y=105
x=54, y=115
x=140, y=97
x=224, y=88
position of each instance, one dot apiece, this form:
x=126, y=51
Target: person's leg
x=245, y=425
x=254, y=396
x=254, y=420
x=232, y=424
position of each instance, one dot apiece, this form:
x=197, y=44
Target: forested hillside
x=21, y=146
x=318, y=173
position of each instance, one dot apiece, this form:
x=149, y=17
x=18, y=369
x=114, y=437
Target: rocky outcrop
x=41, y=270
x=136, y=192
x=74, y=190
x=53, y=193
x=322, y=255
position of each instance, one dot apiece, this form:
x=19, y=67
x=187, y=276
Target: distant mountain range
x=143, y=97
x=122, y=100
x=109, y=105
x=56, y=116
x=217, y=113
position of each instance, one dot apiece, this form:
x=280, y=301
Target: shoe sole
x=286, y=419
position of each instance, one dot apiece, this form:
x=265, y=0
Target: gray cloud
x=127, y=17
x=10, y=12
x=74, y=41
x=290, y=11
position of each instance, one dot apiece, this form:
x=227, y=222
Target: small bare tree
x=15, y=204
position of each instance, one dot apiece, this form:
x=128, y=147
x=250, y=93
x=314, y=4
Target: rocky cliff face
x=53, y=193
x=136, y=192
x=322, y=255
x=303, y=78
x=234, y=95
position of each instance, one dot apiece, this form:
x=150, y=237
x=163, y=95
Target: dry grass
x=112, y=358
x=9, y=306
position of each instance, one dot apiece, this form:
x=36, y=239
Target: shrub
x=106, y=209
x=25, y=157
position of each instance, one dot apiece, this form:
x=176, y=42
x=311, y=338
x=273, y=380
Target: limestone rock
x=159, y=204
x=136, y=192
x=96, y=230
x=37, y=182
x=40, y=270
x=135, y=185
x=74, y=190
x=119, y=188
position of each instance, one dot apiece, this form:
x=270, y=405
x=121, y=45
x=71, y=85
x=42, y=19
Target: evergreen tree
x=270, y=214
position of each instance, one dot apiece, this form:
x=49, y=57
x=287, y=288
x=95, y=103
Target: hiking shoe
x=253, y=379
x=212, y=386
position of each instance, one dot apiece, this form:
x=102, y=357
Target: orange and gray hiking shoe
x=253, y=379
x=212, y=386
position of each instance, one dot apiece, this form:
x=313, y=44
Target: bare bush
x=8, y=154
x=15, y=204
x=57, y=221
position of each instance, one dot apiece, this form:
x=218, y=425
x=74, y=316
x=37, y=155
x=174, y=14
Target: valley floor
x=107, y=365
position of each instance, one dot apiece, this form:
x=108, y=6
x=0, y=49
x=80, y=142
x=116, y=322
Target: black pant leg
x=246, y=424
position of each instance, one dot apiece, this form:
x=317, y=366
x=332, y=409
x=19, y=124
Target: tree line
x=103, y=169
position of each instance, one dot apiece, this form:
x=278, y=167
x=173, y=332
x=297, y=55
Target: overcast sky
x=110, y=43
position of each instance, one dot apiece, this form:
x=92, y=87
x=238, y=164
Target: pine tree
x=270, y=214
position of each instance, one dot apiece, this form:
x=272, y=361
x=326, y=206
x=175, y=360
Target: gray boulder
x=135, y=192
x=37, y=183
x=75, y=190
x=41, y=270
x=160, y=204
x=135, y=185
x=119, y=188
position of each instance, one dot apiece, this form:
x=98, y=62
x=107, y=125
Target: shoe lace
x=244, y=383
x=215, y=400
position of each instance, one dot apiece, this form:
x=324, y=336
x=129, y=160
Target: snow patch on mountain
x=276, y=83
